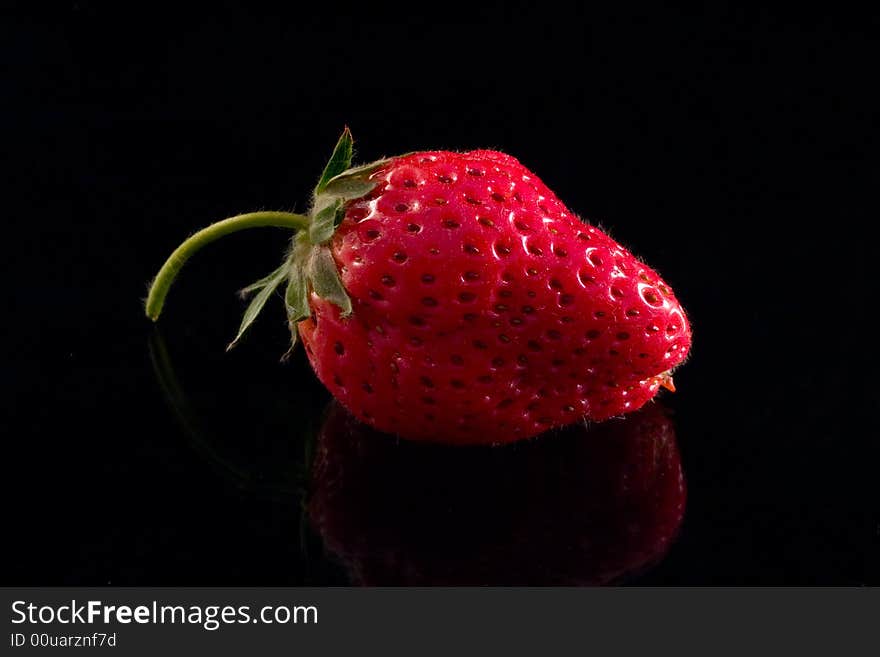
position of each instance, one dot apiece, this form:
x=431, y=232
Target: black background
x=732, y=150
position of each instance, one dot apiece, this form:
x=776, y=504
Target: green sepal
x=310, y=266
x=340, y=160
x=325, y=280
x=355, y=182
x=257, y=303
x=324, y=220
x=296, y=301
x=328, y=209
x=296, y=297
x=245, y=292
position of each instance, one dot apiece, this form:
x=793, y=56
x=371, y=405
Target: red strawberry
x=587, y=506
x=452, y=297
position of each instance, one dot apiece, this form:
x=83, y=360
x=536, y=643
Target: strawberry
x=590, y=505
x=451, y=297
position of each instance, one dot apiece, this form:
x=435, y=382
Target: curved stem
x=160, y=285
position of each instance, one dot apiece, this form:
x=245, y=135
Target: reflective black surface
x=732, y=151
x=584, y=506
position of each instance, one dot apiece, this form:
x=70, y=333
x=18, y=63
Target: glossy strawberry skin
x=483, y=310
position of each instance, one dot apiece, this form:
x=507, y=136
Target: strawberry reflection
x=585, y=506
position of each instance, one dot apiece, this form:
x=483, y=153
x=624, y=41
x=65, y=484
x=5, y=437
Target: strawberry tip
x=667, y=382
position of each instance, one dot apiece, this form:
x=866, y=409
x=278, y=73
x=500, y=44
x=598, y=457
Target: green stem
x=165, y=277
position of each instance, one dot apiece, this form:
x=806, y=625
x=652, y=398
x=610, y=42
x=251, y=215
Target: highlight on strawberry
x=452, y=297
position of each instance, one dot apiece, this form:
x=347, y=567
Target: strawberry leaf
x=325, y=280
x=256, y=305
x=340, y=160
